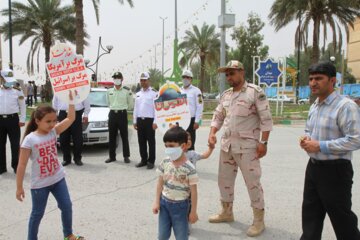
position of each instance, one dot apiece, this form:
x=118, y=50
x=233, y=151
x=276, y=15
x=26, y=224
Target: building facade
x=354, y=50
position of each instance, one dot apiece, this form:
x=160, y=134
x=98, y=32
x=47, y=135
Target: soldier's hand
x=212, y=139
x=154, y=126
x=135, y=126
x=196, y=126
x=261, y=150
x=21, y=124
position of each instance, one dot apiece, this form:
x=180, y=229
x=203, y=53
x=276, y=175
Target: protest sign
x=67, y=72
x=171, y=108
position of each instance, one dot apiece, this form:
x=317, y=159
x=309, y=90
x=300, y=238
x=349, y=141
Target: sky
x=136, y=32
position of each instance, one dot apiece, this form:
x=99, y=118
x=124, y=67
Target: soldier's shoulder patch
x=154, y=90
x=21, y=97
x=227, y=92
x=256, y=87
x=262, y=96
x=127, y=88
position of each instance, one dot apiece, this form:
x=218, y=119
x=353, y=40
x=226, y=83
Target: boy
x=178, y=178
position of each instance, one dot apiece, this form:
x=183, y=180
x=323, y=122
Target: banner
x=67, y=72
x=171, y=108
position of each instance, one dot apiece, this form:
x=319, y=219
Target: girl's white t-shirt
x=46, y=168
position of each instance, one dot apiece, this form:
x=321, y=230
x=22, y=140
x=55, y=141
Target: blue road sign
x=268, y=72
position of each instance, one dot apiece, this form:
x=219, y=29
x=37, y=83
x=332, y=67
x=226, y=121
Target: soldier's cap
x=144, y=76
x=117, y=75
x=233, y=64
x=187, y=73
x=325, y=67
x=8, y=75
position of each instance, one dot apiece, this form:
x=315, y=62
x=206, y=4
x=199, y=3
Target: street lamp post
x=106, y=50
x=10, y=37
x=162, y=57
x=298, y=62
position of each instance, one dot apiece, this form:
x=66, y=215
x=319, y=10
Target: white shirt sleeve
x=87, y=108
x=22, y=107
x=199, y=106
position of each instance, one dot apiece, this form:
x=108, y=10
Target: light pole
x=224, y=21
x=162, y=54
x=10, y=37
x=298, y=61
x=106, y=51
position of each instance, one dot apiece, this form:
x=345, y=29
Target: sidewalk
x=114, y=201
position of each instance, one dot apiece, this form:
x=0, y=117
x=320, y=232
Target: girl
x=47, y=174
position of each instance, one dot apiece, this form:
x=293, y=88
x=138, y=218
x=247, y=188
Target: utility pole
x=224, y=21
x=10, y=38
x=162, y=54
x=298, y=62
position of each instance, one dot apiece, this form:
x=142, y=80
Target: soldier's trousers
x=250, y=168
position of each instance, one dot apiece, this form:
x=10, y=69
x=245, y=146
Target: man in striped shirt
x=332, y=133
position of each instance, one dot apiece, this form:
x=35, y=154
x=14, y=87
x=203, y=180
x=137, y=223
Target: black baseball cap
x=117, y=75
x=326, y=68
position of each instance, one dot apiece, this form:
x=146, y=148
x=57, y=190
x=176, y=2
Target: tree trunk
x=315, y=49
x=202, y=73
x=79, y=35
x=48, y=88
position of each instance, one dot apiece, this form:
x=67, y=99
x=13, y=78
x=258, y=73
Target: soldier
x=144, y=116
x=12, y=102
x=120, y=100
x=74, y=132
x=245, y=114
x=195, y=100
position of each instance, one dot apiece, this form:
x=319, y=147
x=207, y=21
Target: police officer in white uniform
x=144, y=115
x=195, y=101
x=11, y=103
x=74, y=132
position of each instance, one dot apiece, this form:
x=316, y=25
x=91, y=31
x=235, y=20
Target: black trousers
x=74, y=132
x=118, y=121
x=327, y=190
x=146, y=136
x=30, y=100
x=192, y=132
x=9, y=126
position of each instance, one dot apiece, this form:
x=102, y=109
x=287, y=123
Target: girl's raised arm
x=66, y=123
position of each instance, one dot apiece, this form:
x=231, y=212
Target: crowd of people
x=332, y=133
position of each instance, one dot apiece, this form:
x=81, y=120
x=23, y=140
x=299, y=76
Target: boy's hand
x=156, y=208
x=20, y=194
x=193, y=217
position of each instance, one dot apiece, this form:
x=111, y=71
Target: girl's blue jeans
x=173, y=214
x=39, y=200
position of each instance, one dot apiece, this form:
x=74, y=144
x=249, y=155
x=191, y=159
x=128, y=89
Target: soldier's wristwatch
x=264, y=142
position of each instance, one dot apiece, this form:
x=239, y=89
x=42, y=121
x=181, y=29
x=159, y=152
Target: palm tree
x=336, y=14
x=80, y=32
x=203, y=45
x=42, y=21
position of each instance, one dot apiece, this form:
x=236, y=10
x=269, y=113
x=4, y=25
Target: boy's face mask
x=174, y=153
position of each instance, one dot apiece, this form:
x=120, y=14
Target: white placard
x=171, y=108
x=67, y=72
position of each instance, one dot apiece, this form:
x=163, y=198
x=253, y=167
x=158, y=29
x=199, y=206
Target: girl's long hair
x=38, y=114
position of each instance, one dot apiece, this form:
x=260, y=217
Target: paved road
x=113, y=201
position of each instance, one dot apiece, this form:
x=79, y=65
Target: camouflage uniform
x=244, y=115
